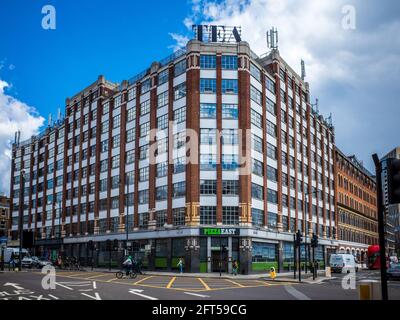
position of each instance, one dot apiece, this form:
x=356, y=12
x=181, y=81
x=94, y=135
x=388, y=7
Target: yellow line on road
x=99, y=275
x=204, y=284
x=235, y=283
x=169, y=285
x=141, y=280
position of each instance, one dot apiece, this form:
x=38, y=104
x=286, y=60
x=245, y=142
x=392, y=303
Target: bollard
x=328, y=272
x=369, y=290
x=272, y=273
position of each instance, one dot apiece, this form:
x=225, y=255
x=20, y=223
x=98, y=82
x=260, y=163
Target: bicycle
x=120, y=274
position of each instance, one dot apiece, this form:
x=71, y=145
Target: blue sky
x=116, y=38
x=355, y=73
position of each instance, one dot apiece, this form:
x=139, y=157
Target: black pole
x=381, y=226
x=126, y=221
x=21, y=212
x=2, y=258
x=299, y=253
x=220, y=256
x=294, y=257
x=109, y=260
x=313, y=259
x=305, y=231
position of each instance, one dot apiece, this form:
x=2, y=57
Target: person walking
x=234, y=267
x=12, y=262
x=180, y=265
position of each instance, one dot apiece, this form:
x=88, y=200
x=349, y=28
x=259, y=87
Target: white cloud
x=180, y=41
x=346, y=68
x=14, y=115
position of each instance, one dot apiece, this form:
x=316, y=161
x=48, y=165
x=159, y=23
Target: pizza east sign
x=219, y=232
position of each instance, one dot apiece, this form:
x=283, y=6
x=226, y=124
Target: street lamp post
x=127, y=218
x=306, y=251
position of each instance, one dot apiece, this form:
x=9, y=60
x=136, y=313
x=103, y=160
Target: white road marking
x=138, y=293
x=94, y=285
x=96, y=296
x=54, y=297
x=197, y=295
x=295, y=293
x=61, y=285
x=14, y=285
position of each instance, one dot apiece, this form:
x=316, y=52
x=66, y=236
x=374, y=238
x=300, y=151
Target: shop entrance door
x=216, y=260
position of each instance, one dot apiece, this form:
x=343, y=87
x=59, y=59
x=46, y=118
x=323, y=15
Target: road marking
x=169, y=285
x=204, y=284
x=235, y=283
x=295, y=293
x=98, y=276
x=94, y=285
x=61, y=285
x=14, y=285
x=145, y=278
x=95, y=297
x=197, y=295
x=54, y=297
x=139, y=293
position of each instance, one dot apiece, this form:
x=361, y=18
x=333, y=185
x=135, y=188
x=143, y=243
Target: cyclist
x=128, y=265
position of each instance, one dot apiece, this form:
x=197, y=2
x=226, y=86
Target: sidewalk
x=280, y=277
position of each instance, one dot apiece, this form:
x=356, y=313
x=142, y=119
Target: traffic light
x=299, y=238
x=314, y=241
x=393, y=178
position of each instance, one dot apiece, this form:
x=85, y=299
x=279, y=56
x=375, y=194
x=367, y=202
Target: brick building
x=259, y=154
x=4, y=215
x=356, y=206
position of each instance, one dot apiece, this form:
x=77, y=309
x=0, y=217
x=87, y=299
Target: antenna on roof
x=50, y=120
x=329, y=119
x=303, y=70
x=272, y=38
x=17, y=137
x=59, y=115
x=316, y=105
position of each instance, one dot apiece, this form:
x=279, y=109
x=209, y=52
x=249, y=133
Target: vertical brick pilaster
x=170, y=142
x=137, y=156
x=122, y=163
x=219, y=142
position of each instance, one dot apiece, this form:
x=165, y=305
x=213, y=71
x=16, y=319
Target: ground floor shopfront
x=203, y=250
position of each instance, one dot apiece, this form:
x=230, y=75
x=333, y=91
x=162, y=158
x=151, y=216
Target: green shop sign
x=219, y=232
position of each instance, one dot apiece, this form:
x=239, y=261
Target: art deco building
x=356, y=206
x=259, y=154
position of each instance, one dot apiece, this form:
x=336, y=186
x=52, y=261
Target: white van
x=343, y=263
x=9, y=251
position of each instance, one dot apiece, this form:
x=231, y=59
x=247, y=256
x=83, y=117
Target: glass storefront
x=264, y=256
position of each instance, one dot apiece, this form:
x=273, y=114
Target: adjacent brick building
x=4, y=215
x=262, y=155
x=356, y=206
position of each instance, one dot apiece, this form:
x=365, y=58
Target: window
x=178, y=216
x=180, y=91
x=116, y=141
x=270, y=85
x=208, y=215
x=255, y=72
x=208, y=61
x=208, y=110
x=180, y=115
x=257, y=168
x=115, y=203
x=208, y=187
x=229, y=86
x=132, y=93
x=230, y=215
x=144, y=129
x=104, y=146
x=272, y=174
x=256, y=118
x=271, y=107
x=161, y=193
x=115, y=162
x=229, y=137
x=229, y=111
x=229, y=62
x=179, y=139
x=271, y=151
x=180, y=68
x=208, y=161
x=104, y=165
x=143, y=196
x=208, y=85
x=272, y=196
x=144, y=174
x=271, y=129
x=163, y=77
x=115, y=182
x=230, y=187
x=255, y=95
x=130, y=156
x=162, y=146
x=145, y=86
x=229, y=162
x=179, y=164
x=104, y=127
x=179, y=189
x=162, y=122
x=162, y=99
x=162, y=169
x=117, y=101
x=161, y=217
x=257, y=217
x=131, y=114
x=130, y=135
x=106, y=108
x=208, y=136
x=145, y=107
x=116, y=121
x=257, y=191
x=257, y=143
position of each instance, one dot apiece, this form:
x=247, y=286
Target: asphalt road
x=105, y=286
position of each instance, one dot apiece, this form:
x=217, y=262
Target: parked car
x=41, y=262
x=393, y=273
x=343, y=263
x=27, y=262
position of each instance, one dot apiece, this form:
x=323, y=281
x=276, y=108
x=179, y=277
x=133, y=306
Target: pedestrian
x=11, y=262
x=234, y=267
x=180, y=265
x=128, y=265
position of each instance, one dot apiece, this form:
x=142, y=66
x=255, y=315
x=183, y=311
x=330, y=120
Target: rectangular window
x=146, y=85
x=130, y=156
x=163, y=77
x=208, y=187
x=178, y=216
x=116, y=141
x=257, y=143
x=162, y=122
x=208, y=215
x=257, y=168
x=272, y=174
x=230, y=215
x=230, y=111
x=255, y=72
x=229, y=137
x=117, y=102
x=180, y=115
x=230, y=187
x=208, y=85
x=130, y=135
x=272, y=196
x=229, y=86
x=271, y=129
x=144, y=129
x=208, y=110
x=144, y=174
x=161, y=193
x=116, y=121
x=131, y=114
x=229, y=162
x=179, y=189
x=132, y=93
x=162, y=169
x=271, y=107
x=257, y=217
x=180, y=91
x=271, y=151
x=208, y=161
x=207, y=61
x=180, y=68
x=257, y=191
x=256, y=118
x=229, y=62
x=115, y=162
x=143, y=196
x=255, y=95
x=162, y=99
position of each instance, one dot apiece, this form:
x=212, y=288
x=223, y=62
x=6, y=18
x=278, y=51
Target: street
x=86, y=285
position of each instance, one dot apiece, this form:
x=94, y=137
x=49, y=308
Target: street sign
x=216, y=232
